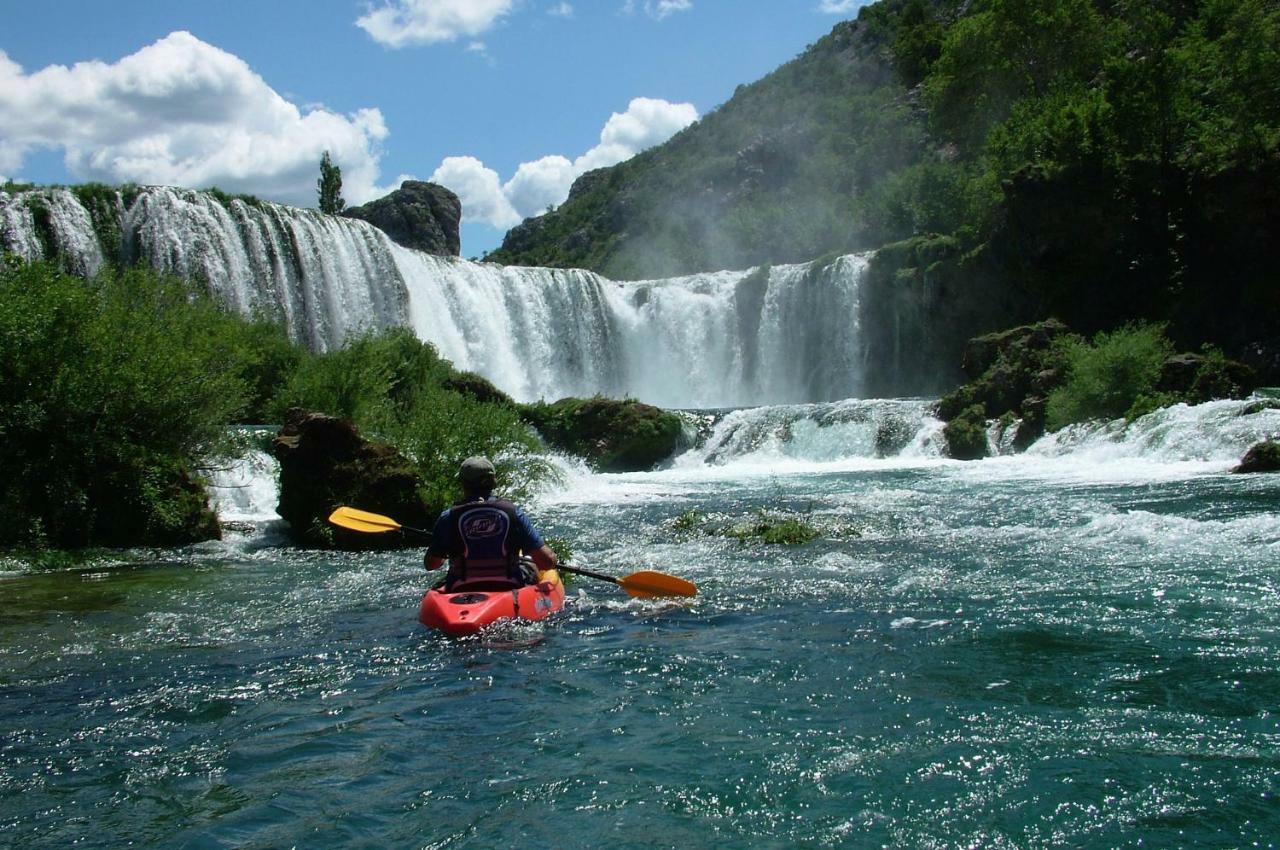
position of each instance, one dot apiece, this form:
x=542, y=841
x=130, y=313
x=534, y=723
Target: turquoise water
x=1028, y=652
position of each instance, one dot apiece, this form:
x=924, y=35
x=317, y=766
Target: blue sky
x=504, y=101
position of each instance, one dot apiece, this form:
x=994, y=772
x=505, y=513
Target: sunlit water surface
x=1021, y=652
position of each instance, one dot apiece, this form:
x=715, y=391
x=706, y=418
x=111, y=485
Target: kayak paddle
x=643, y=584
x=357, y=520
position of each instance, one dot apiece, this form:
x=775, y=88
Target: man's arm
x=544, y=558
x=438, y=551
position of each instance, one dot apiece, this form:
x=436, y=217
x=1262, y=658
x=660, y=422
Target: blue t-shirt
x=521, y=534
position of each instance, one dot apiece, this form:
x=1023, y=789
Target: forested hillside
x=1099, y=161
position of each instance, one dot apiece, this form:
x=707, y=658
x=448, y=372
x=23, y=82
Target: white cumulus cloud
x=185, y=113
x=404, y=23
x=657, y=9
x=561, y=10
x=544, y=182
x=840, y=7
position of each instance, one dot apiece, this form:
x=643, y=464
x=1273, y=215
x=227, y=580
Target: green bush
x=774, y=530
x=398, y=389
x=1108, y=377
x=111, y=391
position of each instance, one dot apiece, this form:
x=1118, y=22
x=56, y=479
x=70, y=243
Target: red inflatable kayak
x=467, y=609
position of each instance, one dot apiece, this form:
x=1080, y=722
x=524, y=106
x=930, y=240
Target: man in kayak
x=482, y=537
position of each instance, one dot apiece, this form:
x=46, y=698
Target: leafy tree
x=329, y=185
x=112, y=391
x=1009, y=50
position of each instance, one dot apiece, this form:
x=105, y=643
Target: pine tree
x=330, y=186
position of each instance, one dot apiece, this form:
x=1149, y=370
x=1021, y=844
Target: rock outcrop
x=1011, y=374
x=418, y=215
x=1264, y=457
x=613, y=436
x=325, y=463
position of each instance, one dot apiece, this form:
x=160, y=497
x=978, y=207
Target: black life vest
x=482, y=548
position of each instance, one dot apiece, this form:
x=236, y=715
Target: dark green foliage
x=225, y=198
x=398, y=389
x=329, y=186
x=110, y=391
x=104, y=207
x=918, y=43
x=13, y=187
x=613, y=435
x=1106, y=378
x=774, y=530
x=266, y=361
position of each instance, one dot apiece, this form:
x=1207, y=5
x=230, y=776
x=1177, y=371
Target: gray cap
x=477, y=473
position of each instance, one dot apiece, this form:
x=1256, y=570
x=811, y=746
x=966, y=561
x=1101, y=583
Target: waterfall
x=324, y=277
x=726, y=339
x=786, y=334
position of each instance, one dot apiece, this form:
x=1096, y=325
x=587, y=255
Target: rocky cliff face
x=418, y=215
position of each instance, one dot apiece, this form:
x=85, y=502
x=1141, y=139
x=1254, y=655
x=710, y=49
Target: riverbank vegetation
x=111, y=391
x=1047, y=378
x=115, y=392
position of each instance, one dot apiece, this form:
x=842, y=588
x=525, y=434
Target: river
x=1078, y=646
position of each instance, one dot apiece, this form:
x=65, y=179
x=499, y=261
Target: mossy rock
x=478, y=387
x=613, y=435
x=966, y=434
x=1015, y=372
x=1264, y=457
x=325, y=463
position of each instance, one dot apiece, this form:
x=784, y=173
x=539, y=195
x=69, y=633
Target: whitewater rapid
x=750, y=447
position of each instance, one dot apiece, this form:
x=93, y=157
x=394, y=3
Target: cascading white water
x=834, y=432
x=325, y=277
x=69, y=227
x=788, y=334
x=724, y=339
x=1216, y=432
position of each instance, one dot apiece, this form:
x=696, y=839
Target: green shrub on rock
x=1107, y=377
x=397, y=389
x=966, y=434
x=613, y=435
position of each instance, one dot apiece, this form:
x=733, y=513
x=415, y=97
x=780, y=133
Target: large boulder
x=1012, y=373
x=325, y=463
x=1264, y=457
x=418, y=215
x=1201, y=377
x=613, y=436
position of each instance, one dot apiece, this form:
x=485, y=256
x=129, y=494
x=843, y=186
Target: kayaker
x=482, y=536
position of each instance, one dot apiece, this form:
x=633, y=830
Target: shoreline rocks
x=325, y=463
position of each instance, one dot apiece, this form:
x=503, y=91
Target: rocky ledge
x=613, y=435
x=325, y=463
x=418, y=215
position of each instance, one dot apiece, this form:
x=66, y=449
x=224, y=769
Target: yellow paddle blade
x=358, y=520
x=648, y=583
